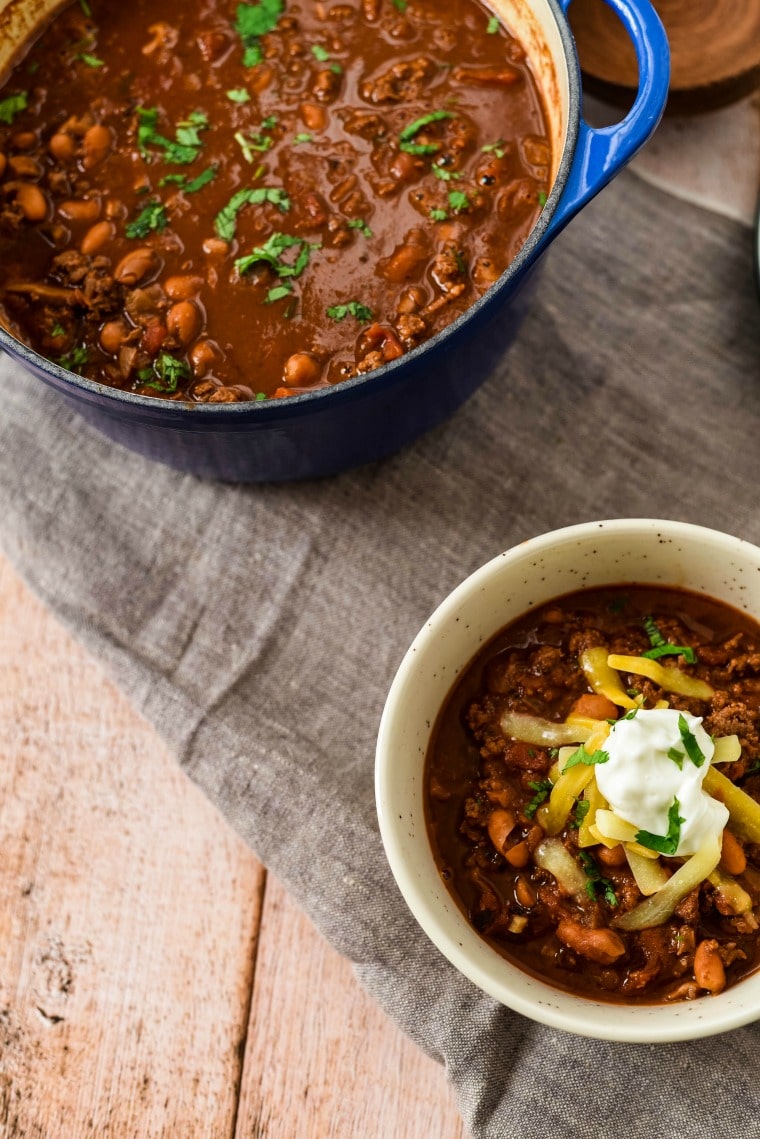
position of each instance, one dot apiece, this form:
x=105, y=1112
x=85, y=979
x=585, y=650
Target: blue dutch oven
x=364, y=419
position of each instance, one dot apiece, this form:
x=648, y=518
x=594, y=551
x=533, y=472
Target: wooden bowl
x=715, y=49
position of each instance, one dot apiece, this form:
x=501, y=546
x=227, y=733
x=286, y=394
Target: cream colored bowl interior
x=593, y=554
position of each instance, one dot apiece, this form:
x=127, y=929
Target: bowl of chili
x=278, y=244
x=566, y=779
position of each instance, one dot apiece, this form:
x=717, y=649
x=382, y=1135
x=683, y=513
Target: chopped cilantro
x=541, y=198
x=299, y=138
x=353, y=308
x=446, y=175
x=165, y=374
x=408, y=133
x=187, y=143
x=278, y=293
x=582, y=756
x=57, y=330
x=225, y=221
x=269, y=122
x=655, y=636
x=664, y=844
x=320, y=53
x=689, y=741
x=677, y=756
x=361, y=225
x=661, y=647
x=153, y=217
x=255, y=20
x=194, y=184
x=458, y=201
x=496, y=148
x=90, y=60
x=252, y=55
x=85, y=8
x=438, y=215
x=75, y=359
x=238, y=95
x=597, y=883
x=400, y=5
x=254, y=142
x=11, y=106
x=260, y=396
x=542, y=788
x=582, y=807
x=493, y=26
x=271, y=252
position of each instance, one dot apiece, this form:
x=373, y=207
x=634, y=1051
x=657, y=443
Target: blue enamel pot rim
x=388, y=375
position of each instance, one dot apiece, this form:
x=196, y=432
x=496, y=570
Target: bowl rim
x=347, y=389
x=457, y=940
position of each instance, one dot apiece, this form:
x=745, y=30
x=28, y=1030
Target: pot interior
x=532, y=21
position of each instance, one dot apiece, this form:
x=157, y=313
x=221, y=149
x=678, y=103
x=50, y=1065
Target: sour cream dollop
x=640, y=780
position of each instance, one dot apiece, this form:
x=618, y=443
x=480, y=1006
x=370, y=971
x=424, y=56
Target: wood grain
x=153, y=980
x=715, y=50
x=128, y=910
x=336, y=1058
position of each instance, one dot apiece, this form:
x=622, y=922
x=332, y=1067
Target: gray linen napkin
x=259, y=627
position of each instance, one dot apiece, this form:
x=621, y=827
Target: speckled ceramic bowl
x=613, y=552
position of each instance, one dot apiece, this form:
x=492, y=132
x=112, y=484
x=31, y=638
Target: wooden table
x=154, y=979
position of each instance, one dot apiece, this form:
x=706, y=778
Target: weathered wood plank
x=322, y=1060
x=129, y=916
x=128, y=910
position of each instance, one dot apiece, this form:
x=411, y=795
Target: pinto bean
x=62, y=146
x=505, y=76
x=202, y=356
x=23, y=166
x=112, y=335
x=182, y=288
x=500, y=825
x=518, y=855
x=595, y=706
x=601, y=945
x=97, y=143
x=709, y=972
x=301, y=370
x=80, y=209
x=96, y=237
x=314, y=116
x=215, y=247
x=184, y=321
x=137, y=265
x=326, y=85
x=32, y=202
x=407, y=259
x=524, y=892
x=732, y=857
x=611, y=856
x=404, y=167
x=24, y=140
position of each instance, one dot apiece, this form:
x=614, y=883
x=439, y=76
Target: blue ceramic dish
x=364, y=419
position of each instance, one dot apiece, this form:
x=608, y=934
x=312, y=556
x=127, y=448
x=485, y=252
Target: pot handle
x=600, y=153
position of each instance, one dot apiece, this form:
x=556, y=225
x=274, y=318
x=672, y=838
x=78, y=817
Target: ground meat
x=401, y=82
x=533, y=668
